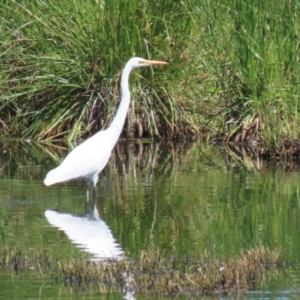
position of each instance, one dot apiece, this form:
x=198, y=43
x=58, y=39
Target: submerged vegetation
x=233, y=73
x=152, y=274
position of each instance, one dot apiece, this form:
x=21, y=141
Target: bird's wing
x=86, y=160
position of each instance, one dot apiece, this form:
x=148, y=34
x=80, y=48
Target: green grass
x=252, y=53
x=233, y=72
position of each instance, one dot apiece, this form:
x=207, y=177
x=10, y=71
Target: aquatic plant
x=152, y=273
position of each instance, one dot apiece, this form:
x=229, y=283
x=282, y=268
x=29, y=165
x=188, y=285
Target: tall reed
x=256, y=66
x=233, y=71
x=62, y=62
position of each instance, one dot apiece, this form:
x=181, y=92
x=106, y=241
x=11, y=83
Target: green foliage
x=233, y=69
x=62, y=67
x=257, y=54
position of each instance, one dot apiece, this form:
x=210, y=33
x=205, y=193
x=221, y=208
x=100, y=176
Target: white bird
x=89, y=158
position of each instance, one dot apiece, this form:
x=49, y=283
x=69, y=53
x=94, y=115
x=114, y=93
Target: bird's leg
x=94, y=193
x=95, y=180
x=88, y=185
x=87, y=195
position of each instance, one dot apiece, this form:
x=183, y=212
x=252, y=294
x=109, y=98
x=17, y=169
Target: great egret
x=89, y=158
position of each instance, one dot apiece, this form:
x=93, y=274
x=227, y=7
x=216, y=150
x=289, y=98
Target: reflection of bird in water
x=88, y=159
x=89, y=232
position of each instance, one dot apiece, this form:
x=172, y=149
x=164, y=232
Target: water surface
x=183, y=199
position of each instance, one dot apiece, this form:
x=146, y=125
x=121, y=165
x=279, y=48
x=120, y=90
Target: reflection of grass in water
x=152, y=273
x=161, y=194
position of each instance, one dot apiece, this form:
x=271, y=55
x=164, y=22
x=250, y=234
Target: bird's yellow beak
x=154, y=62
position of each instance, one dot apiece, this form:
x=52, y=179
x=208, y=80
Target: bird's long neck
x=120, y=117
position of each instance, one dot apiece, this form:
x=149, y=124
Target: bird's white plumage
x=88, y=159
x=75, y=165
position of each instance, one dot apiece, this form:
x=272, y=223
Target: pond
x=184, y=199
